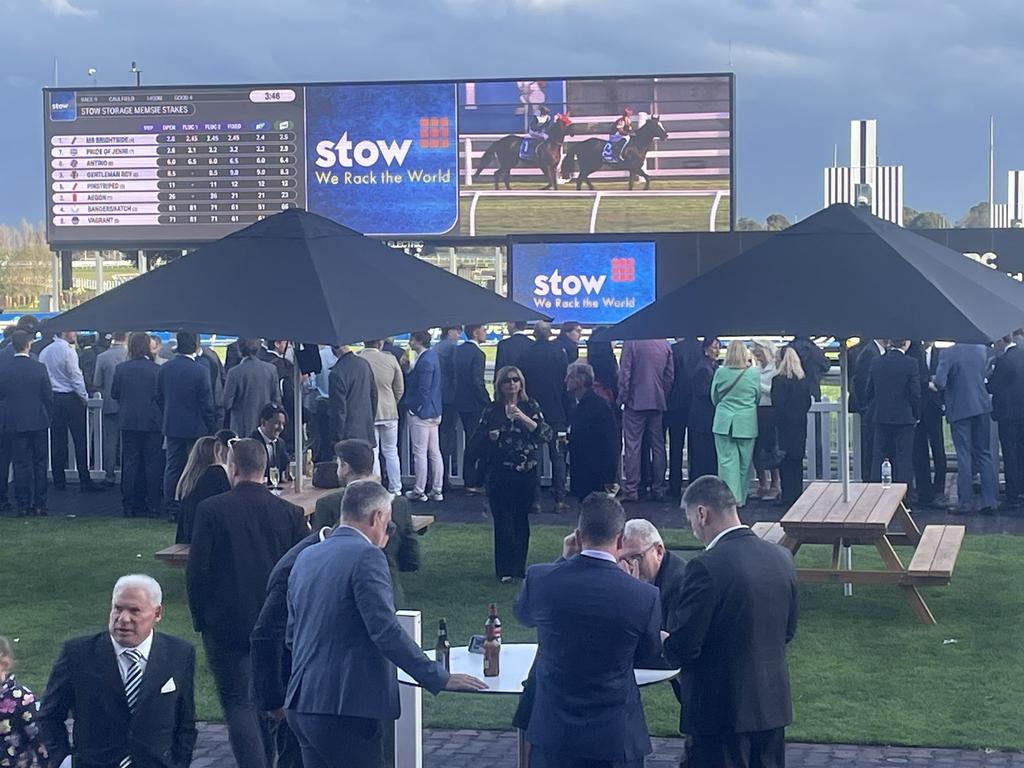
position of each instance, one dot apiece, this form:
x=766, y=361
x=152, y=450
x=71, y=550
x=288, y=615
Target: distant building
x=864, y=181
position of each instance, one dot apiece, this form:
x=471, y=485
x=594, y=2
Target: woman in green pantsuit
x=735, y=391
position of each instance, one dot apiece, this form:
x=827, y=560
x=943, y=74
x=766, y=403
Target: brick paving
x=497, y=749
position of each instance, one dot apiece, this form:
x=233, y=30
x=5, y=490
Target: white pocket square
x=168, y=686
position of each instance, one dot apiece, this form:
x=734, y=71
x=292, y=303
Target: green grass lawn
x=864, y=670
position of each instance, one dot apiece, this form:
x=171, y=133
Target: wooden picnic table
x=177, y=554
x=876, y=516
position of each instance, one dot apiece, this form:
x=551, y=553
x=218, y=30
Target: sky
x=930, y=71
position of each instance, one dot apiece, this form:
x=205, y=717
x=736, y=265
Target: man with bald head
x=128, y=688
x=736, y=613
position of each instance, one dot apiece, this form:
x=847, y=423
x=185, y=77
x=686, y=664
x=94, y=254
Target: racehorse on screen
x=588, y=154
x=545, y=156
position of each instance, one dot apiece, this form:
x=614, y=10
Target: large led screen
x=593, y=283
x=179, y=165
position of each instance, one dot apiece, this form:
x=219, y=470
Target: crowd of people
x=301, y=637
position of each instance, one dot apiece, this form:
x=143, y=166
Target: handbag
x=769, y=459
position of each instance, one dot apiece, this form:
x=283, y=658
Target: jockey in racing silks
x=619, y=137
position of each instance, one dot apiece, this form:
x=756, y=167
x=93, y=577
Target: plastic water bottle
x=886, y=473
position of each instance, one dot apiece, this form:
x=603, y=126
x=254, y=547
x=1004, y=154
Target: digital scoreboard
x=172, y=165
x=178, y=166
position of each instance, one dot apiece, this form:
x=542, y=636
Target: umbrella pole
x=844, y=403
x=844, y=448
x=300, y=452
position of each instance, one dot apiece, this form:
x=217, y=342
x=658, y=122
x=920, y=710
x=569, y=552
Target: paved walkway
x=497, y=749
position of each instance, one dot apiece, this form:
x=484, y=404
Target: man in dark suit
x=894, y=406
x=249, y=386
x=353, y=398
x=345, y=640
x=129, y=689
x=686, y=356
x=183, y=392
x=961, y=379
x=239, y=536
x=268, y=433
x=867, y=352
x=594, y=447
x=275, y=355
x=510, y=350
x=737, y=612
x=471, y=398
x=28, y=324
x=142, y=454
x=929, y=472
x=1006, y=383
x=569, y=340
x=446, y=434
x=594, y=625
x=543, y=366
x=26, y=400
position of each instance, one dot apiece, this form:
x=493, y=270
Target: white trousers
x=387, y=443
x=426, y=451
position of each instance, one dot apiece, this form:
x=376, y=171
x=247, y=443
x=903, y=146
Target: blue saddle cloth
x=526, y=148
x=612, y=152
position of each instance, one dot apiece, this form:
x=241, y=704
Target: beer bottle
x=492, y=643
x=443, y=649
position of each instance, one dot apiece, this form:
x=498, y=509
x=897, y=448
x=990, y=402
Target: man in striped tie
x=129, y=689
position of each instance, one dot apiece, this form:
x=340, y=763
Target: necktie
x=132, y=684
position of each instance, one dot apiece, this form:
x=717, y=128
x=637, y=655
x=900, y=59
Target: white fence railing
x=597, y=195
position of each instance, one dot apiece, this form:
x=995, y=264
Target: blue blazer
x=134, y=389
x=961, y=377
x=594, y=625
x=184, y=393
x=343, y=635
x=26, y=398
x=423, y=387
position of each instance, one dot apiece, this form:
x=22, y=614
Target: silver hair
x=362, y=498
x=139, y=581
x=643, y=532
x=542, y=329
x=584, y=371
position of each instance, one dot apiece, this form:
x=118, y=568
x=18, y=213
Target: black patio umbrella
x=297, y=276
x=841, y=272
x=294, y=276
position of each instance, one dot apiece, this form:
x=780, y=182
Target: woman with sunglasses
x=513, y=430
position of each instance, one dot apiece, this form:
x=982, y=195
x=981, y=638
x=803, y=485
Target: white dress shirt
x=719, y=536
x=124, y=663
x=61, y=363
x=599, y=555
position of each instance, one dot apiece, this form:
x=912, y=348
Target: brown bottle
x=443, y=649
x=492, y=643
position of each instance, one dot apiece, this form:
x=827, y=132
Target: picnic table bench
x=820, y=516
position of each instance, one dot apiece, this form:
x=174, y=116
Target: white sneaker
x=436, y=496
x=415, y=496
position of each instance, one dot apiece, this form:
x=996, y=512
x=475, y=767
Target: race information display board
x=170, y=165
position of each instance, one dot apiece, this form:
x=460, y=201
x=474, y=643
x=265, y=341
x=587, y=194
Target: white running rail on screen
x=597, y=195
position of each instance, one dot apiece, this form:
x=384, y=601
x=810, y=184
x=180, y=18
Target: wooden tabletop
x=821, y=508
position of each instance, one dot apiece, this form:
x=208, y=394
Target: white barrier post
x=409, y=727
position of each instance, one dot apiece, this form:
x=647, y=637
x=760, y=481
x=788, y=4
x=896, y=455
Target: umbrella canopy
x=294, y=276
x=841, y=272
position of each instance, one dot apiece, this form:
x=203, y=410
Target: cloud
x=65, y=8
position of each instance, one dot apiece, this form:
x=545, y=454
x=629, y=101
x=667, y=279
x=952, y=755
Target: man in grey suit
x=345, y=640
x=961, y=378
x=102, y=380
x=250, y=385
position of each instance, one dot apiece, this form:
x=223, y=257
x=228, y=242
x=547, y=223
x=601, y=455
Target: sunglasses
x=511, y=380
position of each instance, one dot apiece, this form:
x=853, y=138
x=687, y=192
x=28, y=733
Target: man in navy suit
x=129, y=689
x=595, y=624
x=894, y=407
x=1006, y=383
x=26, y=398
x=184, y=393
x=345, y=640
x=961, y=378
x=471, y=398
x=929, y=441
x=736, y=613
x=510, y=350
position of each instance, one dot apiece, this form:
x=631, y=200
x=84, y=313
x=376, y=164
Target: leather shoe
x=987, y=511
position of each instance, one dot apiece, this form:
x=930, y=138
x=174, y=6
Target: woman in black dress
x=700, y=440
x=511, y=432
x=205, y=475
x=791, y=400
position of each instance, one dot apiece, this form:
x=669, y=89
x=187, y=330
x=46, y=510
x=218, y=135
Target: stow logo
x=555, y=284
x=63, y=106
x=434, y=134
